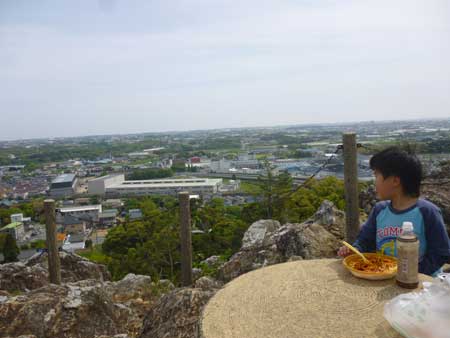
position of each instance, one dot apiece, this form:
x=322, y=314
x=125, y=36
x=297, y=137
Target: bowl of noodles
x=380, y=266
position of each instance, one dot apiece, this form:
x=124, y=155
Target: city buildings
x=116, y=185
x=63, y=186
x=74, y=225
x=88, y=213
x=108, y=217
x=99, y=186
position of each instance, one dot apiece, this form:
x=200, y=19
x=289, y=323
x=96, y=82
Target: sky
x=90, y=67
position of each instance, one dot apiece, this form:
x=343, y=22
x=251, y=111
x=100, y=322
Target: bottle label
x=408, y=262
x=404, y=265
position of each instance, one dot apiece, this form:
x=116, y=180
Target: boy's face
x=385, y=187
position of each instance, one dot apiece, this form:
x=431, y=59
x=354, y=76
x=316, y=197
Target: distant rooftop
x=108, y=213
x=81, y=208
x=186, y=182
x=64, y=178
x=70, y=220
x=106, y=176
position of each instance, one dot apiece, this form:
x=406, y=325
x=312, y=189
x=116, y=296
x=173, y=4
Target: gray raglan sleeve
x=438, y=242
x=366, y=240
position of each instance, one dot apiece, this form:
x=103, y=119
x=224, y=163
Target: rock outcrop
x=33, y=274
x=177, y=314
x=367, y=199
x=266, y=242
x=86, y=304
x=438, y=192
x=86, y=308
x=81, y=309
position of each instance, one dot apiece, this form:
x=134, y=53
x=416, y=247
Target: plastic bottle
x=408, y=257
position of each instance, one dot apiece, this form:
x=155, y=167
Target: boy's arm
x=438, y=243
x=366, y=240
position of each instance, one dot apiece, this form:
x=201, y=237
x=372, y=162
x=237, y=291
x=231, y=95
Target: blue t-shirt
x=384, y=225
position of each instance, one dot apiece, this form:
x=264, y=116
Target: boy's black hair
x=395, y=162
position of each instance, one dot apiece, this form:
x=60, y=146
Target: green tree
x=152, y=245
x=267, y=183
x=148, y=246
x=304, y=202
x=88, y=244
x=275, y=192
x=10, y=249
x=281, y=195
x=94, y=200
x=5, y=214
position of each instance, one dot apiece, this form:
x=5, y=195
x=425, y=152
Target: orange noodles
x=378, y=264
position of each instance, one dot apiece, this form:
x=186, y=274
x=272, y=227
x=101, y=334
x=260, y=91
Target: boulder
x=259, y=233
x=437, y=192
x=269, y=243
x=18, y=277
x=33, y=273
x=208, y=283
x=86, y=308
x=212, y=261
x=176, y=315
x=80, y=309
x=196, y=274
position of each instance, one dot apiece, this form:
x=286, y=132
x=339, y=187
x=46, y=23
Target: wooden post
x=351, y=187
x=54, y=267
x=186, y=243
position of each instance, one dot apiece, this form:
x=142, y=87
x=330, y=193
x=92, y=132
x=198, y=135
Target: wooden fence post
x=54, y=265
x=351, y=187
x=186, y=242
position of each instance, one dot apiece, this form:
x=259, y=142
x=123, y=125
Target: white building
x=85, y=212
x=97, y=186
x=222, y=165
x=116, y=187
x=16, y=218
x=231, y=186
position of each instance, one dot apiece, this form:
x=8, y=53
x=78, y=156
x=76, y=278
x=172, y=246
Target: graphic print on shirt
x=386, y=240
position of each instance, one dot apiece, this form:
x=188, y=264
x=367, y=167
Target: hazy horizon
x=125, y=67
x=234, y=128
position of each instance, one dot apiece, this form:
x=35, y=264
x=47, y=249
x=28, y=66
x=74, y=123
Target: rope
x=327, y=162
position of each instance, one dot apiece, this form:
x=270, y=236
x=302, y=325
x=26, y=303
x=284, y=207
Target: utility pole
x=54, y=265
x=351, y=187
x=186, y=242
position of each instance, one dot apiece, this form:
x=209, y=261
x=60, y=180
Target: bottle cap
x=407, y=227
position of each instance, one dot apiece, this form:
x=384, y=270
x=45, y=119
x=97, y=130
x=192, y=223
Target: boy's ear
x=396, y=181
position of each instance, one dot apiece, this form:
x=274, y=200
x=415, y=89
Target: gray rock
x=166, y=284
x=259, y=233
x=17, y=276
x=196, y=274
x=130, y=287
x=86, y=308
x=176, y=315
x=212, y=261
x=207, y=283
x=268, y=243
x=33, y=274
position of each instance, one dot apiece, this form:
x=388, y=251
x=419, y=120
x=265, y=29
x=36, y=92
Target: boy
x=397, y=183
